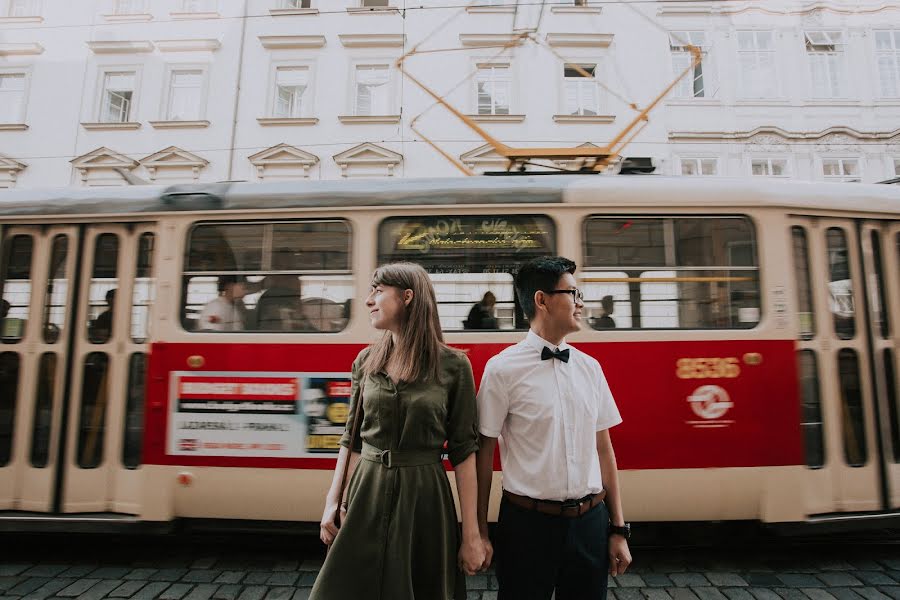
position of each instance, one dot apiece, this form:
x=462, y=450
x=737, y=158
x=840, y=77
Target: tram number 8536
x=707, y=368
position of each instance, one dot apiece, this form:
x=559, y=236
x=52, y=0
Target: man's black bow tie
x=547, y=354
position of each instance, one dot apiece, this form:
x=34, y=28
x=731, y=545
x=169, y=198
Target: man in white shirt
x=561, y=524
x=226, y=311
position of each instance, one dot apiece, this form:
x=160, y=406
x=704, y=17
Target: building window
x=129, y=7
x=700, y=166
x=493, y=85
x=24, y=8
x=756, y=60
x=373, y=90
x=691, y=85
x=825, y=51
x=12, y=97
x=185, y=95
x=291, y=84
x=841, y=169
x=295, y=4
x=582, y=97
x=887, y=45
x=117, y=96
x=769, y=167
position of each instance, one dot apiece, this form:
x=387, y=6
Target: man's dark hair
x=541, y=273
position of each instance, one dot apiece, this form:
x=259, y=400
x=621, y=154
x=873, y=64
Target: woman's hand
x=328, y=529
x=471, y=555
x=488, y=552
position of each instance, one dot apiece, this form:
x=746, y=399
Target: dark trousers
x=538, y=553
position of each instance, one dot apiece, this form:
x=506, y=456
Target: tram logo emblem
x=710, y=402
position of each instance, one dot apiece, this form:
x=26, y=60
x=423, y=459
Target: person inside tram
x=225, y=312
x=279, y=307
x=4, y=308
x=481, y=316
x=100, y=329
x=605, y=321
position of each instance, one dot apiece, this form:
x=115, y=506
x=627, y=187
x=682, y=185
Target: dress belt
x=397, y=458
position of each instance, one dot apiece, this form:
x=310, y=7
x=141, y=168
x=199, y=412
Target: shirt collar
x=539, y=343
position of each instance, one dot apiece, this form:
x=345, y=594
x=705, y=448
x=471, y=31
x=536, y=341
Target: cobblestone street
x=280, y=568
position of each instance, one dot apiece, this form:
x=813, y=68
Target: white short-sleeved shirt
x=221, y=315
x=547, y=414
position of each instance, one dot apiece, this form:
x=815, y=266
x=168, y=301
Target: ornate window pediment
x=483, y=158
x=283, y=161
x=174, y=163
x=98, y=167
x=368, y=160
x=9, y=171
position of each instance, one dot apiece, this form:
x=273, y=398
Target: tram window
x=144, y=289
x=15, y=288
x=134, y=411
x=881, y=313
x=670, y=273
x=43, y=411
x=853, y=416
x=890, y=377
x=811, y=409
x=285, y=276
x=840, y=284
x=102, y=291
x=57, y=291
x=9, y=384
x=94, y=400
x=472, y=261
x=805, y=311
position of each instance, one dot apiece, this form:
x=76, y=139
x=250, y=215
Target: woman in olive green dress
x=399, y=534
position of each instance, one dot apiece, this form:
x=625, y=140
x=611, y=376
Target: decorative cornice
x=368, y=119
x=8, y=164
x=135, y=18
x=13, y=127
x=488, y=39
x=286, y=12
x=372, y=40
x=576, y=10
x=482, y=155
x=781, y=133
x=286, y=121
x=31, y=48
x=293, y=156
x=580, y=40
x=120, y=47
x=288, y=42
x=164, y=158
x=29, y=19
x=197, y=45
x=378, y=156
x=373, y=10
x=85, y=161
x=194, y=16
x=111, y=126
x=497, y=118
x=179, y=124
x=734, y=8
x=602, y=119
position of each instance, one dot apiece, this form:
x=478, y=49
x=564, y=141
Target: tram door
x=844, y=407
x=77, y=329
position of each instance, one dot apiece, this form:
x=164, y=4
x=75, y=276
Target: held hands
x=471, y=555
x=328, y=529
x=619, y=555
x=488, y=552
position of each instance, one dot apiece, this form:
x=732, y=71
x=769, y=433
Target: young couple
x=561, y=525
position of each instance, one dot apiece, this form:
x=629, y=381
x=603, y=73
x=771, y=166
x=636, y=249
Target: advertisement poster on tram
x=283, y=415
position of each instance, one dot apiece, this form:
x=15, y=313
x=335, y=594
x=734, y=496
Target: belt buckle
x=385, y=462
x=575, y=504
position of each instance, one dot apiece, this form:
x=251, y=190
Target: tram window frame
x=42, y=419
x=55, y=313
x=13, y=329
x=805, y=296
x=255, y=270
x=845, y=327
x=9, y=405
x=135, y=406
x=671, y=253
x=490, y=278
x=881, y=293
x=853, y=419
x=811, y=417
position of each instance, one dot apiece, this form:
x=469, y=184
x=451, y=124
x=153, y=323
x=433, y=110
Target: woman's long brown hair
x=421, y=341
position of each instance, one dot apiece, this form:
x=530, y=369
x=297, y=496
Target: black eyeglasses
x=577, y=294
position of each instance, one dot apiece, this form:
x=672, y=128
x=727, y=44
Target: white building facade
x=176, y=91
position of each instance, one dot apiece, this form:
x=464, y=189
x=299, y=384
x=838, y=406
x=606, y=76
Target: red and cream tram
x=749, y=331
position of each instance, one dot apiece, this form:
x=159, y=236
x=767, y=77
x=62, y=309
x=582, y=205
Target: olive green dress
x=400, y=537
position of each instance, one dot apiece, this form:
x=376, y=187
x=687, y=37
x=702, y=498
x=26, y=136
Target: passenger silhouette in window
x=226, y=312
x=605, y=321
x=100, y=329
x=481, y=316
x=279, y=308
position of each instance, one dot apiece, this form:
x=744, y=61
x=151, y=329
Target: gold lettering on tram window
x=707, y=368
x=470, y=234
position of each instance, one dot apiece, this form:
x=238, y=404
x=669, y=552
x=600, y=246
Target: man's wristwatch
x=624, y=531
